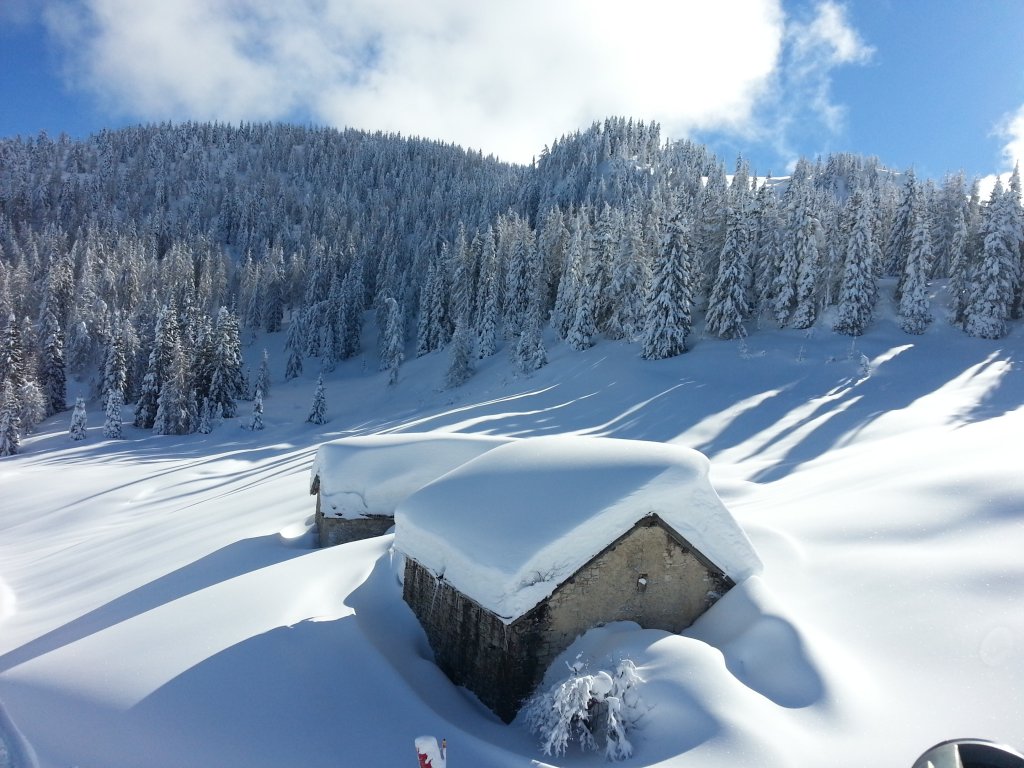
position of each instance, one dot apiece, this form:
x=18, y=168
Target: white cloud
x=506, y=77
x=1010, y=128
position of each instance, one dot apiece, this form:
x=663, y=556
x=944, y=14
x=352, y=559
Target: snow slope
x=161, y=605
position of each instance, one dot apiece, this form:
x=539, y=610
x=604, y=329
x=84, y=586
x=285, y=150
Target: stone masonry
x=650, y=575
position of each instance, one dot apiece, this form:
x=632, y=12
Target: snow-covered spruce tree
x=958, y=283
x=488, y=310
x=529, y=353
x=263, y=375
x=669, y=306
x=630, y=275
x=392, y=340
x=165, y=342
x=52, y=375
x=79, y=421
x=176, y=412
x=12, y=354
x=727, y=306
x=112, y=414
x=766, y=249
x=10, y=424
x=991, y=287
x=570, y=284
x=32, y=404
x=807, y=232
x=256, y=420
x=207, y=417
x=318, y=411
x=460, y=357
x=857, y=293
x=914, y=310
x=294, y=344
x=594, y=710
x=897, y=247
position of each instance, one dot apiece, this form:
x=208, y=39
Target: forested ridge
x=138, y=259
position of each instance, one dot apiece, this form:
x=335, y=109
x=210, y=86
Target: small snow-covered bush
x=594, y=710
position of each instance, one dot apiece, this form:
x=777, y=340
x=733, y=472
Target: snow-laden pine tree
x=112, y=414
x=295, y=343
x=460, y=356
x=79, y=421
x=318, y=410
x=727, y=305
x=207, y=417
x=630, y=273
x=166, y=344
x=807, y=247
x=227, y=379
x=263, y=374
x=569, y=285
x=177, y=411
x=766, y=250
x=857, y=292
x=393, y=340
x=10, y=424
x=991, y=288
x=897, y=247
x=914, y=310
x=256, y=420
x=52, y=375
x=488, y=309
x=670, y=303
x=958, y=283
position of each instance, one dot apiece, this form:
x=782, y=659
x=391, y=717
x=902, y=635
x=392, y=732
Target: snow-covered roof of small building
x=507, y=528
x=369, y=475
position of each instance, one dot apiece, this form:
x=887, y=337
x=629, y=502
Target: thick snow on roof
x=507, y=528
x=369, y=475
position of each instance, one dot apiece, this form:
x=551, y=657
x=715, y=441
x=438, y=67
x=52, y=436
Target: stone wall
x=472, y=645
x=339, y=530
x=650, y=576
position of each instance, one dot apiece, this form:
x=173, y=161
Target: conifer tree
x=207, y=416
x=294, y=344
x=393, y=341
x=914, y=311
x=488, y=311
x=10, y=424
x=530, y=353
x=256, y=420
x=112, y=414
x=166, y=344
x=857, y=293
x=669, y=306
x=263, y=375
x=227, y=380
x=318, y=411
x=79, y=421
x=176, y=413
x=807, y=232
x=727, y=306
x=52, y=376
x=991, y=288
x=460, y=357
x=959, y=269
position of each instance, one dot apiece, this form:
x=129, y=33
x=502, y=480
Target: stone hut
x=358, y=481
x=514, y=554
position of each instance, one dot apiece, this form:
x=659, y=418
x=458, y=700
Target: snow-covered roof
x=368, y=475
x=508, y=527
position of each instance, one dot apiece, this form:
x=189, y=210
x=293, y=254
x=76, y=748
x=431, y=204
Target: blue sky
x=935, y=84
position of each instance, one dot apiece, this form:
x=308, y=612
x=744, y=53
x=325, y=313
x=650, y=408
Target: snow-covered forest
x=138, y=261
